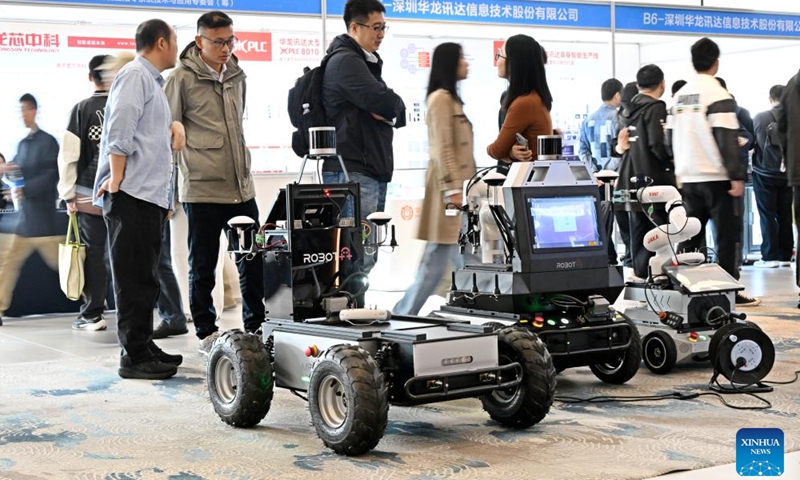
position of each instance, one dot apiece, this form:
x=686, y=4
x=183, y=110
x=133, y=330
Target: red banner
x=254, y=46
x=101, y=42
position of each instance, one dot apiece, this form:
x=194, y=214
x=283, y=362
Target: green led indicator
x=305, y=378
x=551, y=322
x=703, y=338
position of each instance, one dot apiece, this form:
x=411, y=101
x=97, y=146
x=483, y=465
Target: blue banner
x=304, y=7
x=545, y=14
x=678, y=20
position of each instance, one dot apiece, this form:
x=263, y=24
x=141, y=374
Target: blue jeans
x=169, y=304
x=373, y=199
x=432, y=268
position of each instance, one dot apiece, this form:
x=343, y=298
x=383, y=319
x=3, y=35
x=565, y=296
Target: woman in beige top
x=451, y=163
x=521, y=62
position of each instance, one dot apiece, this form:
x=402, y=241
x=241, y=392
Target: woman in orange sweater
x=521, y=62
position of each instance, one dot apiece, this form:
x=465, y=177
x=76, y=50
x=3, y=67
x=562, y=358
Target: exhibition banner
x=679, y=20
x=545, y=14
x=301, y=7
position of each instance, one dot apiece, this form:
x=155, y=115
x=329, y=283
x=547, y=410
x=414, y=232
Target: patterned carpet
x=78, y=419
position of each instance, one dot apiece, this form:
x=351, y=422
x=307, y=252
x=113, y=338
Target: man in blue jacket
x=362, y=108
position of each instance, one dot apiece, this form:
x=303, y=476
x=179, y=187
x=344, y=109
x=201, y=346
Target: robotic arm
x=661, y=239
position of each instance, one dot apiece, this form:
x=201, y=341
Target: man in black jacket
x=646, y=156
x=789, y=128
x=77, y=165
x=362, y=108
x=35, y=168
x=773, y=193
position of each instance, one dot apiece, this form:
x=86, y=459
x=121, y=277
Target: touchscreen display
x=564, y=222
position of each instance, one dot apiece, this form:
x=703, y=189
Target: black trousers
x=774, y=202
x=711, y=201
x=797, y=224
x=134, y=238
x=609, y=215
x=640, y=224
x=96, y=266
x=206, y=222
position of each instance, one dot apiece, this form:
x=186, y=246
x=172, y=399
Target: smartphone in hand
x=522, y=141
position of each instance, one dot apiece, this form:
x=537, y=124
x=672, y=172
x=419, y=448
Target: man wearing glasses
x=362, y=108
x=206, y=93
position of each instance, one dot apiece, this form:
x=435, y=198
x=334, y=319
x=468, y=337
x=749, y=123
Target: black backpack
x=305, y=105
x=772, y=153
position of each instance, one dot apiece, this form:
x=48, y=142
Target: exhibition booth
x=46, y=47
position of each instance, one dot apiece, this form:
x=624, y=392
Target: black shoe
x=149, y=370
x=163, y=331
x=165, y=357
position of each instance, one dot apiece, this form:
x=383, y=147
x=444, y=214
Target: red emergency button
x=312, y=351
x=538, y=321
x=693, y=336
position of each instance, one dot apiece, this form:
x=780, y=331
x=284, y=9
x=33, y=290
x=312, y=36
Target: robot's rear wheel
x=659, y=351
x=348, y=400
x=240, y=380
x=527, y=403
x=623, y=366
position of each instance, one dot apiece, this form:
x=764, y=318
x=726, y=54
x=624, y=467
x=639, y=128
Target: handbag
x=71, y=255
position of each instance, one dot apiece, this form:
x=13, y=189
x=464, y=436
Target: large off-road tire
x=240, y=380
x=527, y=403
x=659, y=352
x=621, y=367
x=348, y=400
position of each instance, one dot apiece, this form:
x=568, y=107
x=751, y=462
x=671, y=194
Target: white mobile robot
x=684, y=302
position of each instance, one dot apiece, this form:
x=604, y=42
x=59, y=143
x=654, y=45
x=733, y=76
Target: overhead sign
x=546, y=14
x=304, y=7
x=679, y=20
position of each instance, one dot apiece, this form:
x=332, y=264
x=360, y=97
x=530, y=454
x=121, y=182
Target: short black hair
x=214, y=19
x=610, y=87
x=722, y=82
x=705, y=52
x=360, y=10
x=776, y=92
x=677, y=86
x=148, y=33
x=649, y=77
x=28, y=98
x=94, y=63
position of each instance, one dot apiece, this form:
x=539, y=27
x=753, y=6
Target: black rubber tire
x=624, y=367
x=527, y=403
x=362, y=387
x=659, y=352
x=495, y=326
x=250, y=376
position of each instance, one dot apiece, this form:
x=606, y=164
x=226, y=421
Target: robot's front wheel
x=623, y=366
x=240, y=381
x=348, y=400
x=660, y=353
x=527, y=403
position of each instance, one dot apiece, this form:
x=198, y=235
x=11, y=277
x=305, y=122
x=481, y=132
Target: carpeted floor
x=78, y=419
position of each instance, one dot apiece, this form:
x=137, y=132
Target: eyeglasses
x=375, y=28
x=231, y=42
x=498, y=55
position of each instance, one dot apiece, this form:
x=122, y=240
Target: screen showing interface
x=564, y=222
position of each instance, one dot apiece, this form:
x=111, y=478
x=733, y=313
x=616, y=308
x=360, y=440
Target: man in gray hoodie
x=206, y=92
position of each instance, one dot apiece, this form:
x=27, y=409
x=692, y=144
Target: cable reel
x=743, y=354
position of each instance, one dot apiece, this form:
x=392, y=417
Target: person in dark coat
x=646, y=156
x=363, y=109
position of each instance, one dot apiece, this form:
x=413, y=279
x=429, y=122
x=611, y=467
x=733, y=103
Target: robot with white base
x=684, y=301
